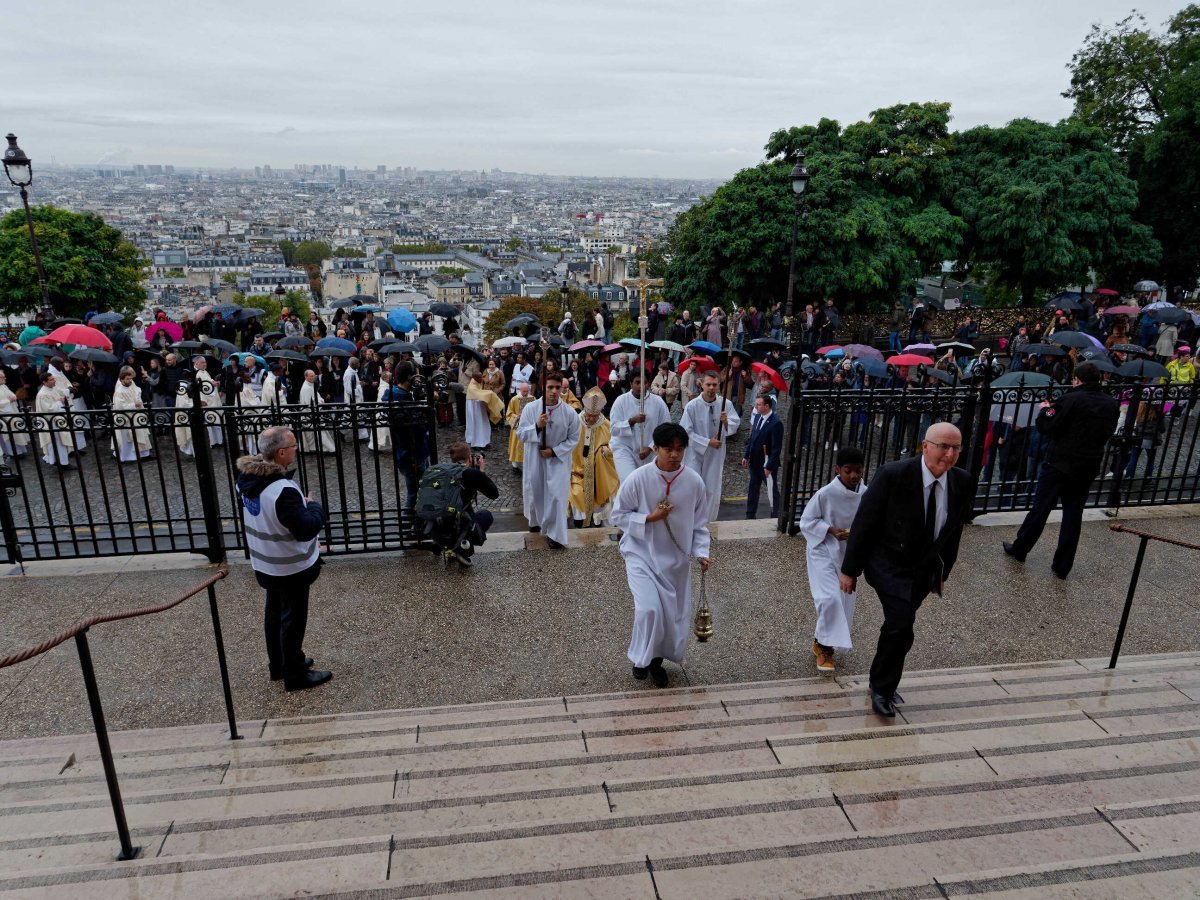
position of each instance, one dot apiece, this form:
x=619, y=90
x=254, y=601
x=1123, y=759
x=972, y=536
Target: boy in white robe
x=825, y=525
x=704, y=419
x=546, y=475
x=632, y=429
x=663, y=510
x=129, y=444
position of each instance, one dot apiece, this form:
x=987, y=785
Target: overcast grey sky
x=675, y=88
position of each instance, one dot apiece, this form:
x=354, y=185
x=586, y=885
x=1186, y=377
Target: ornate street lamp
x=565, y=291
x=799, y=179
x=19, y=169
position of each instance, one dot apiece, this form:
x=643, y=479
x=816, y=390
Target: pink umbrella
x=1122, y=311
x=919, y=347
x=173, y=329
x=586, y=344
x=863, y=351
x=201, y=313
x=1107, y=292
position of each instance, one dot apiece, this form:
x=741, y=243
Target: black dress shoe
x=896, y=698
x=534, y=529
x=640, y=672
x=657, y=673
x=1059, y=573
x=1012, y=551
x=554, y=545
x=278, y=676
x=306, y=681
x=882, y=706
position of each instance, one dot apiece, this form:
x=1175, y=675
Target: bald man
x=905, y=540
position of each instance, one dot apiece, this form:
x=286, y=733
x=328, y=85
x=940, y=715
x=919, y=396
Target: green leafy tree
x=296, y=301
x=548, y=309
x=349, y=253
x=312, y=253
x=1045, y=205
x=89, y=265
x=428, y=247
x=512, y=245
x=229, y=278
x=451, y=270
x=288, y=249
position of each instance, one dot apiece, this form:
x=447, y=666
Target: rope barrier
x=51, y=643
x=1116, y=526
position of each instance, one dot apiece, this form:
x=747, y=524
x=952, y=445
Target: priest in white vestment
x=663, y=510
x=546, y=474
x=129, y=443
x=709, y=421
x=633, y=430
x=353, y=391
x=210, y=398
x=14, y=440
x=311, y=401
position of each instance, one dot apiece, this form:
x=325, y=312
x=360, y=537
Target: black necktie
x=931, y=514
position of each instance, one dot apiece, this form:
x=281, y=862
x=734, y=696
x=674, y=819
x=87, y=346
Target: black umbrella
x=290, y=355
x=1043, y=350
x=187, y=345
x=467, y=351
x=382, y=342
x=220, y=345
x=445, y=310
x=1103, y=364
x=1142, y=368
x=428, y=343
x=250, y=313
x=331, y=351
x=143, y=356
x=92, y=354
x=1171, y=315
x=1075, y=339
x=343, y=303
x=400, y=347
x=874, y=367
x=766, y=344
x=225, y=309
x=940, y=375
x=294, y=342
x=58, y=322
x=723, y=357
x=1130, y=348
x=520, y=321
x=272, y=335
x=1093, y=353
x=42, y=350
x=106, y=318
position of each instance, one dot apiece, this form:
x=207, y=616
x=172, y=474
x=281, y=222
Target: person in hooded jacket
x=282, y=527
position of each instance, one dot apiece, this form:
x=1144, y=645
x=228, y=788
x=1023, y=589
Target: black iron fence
x=1152, y=458
x=108, y=482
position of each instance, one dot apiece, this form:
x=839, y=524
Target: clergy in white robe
x=311, y=401
x=272, y=391
x=14, y=440
x=53, y=434
x=183, y=425
x=381, y=434
x=479, y=423
x=631, y=439
x=546, y=479
x=825, y=524
x=75, y=439
x=248, y=400
x=657, y=548
x=129, y=443
x=702, y=421
x=210, y=399
x=353, y=391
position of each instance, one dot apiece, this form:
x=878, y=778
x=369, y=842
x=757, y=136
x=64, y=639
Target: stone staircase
x=1047, y=779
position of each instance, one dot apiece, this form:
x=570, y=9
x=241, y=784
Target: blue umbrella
x=635, y=343
x=338, y=344
x=706, y=346
x=836, y=351
x=402, y=320
x=365, y=308
x=241, y=358
x=226, y=309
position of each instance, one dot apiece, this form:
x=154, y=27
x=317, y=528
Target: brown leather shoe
x=824, y=657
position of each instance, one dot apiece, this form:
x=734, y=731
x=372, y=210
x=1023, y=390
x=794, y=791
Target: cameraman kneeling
x=474, y=482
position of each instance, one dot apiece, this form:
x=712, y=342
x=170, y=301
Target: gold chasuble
x=516, y=449
x=593, y=473
x=494, y=404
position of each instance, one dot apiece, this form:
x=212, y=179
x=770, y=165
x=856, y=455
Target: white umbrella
x=1159, y=304
x=510, y=341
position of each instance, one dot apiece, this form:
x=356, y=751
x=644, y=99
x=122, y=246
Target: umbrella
x=145, y=354
x=92, y=354
x=290, y=355
x=1130, y=348
x=586, y=344
x=944, y=377
x=1066, y=304
x=1142, y=368
x=909, y=359
x=520, y=321
x=468, y=352
x=173, y=329
x=29, y=333
x=876, y=368
x=220, y=345
x=1125, y=310
x=912, y=348
x=956, y=345
x=633, y=343
x=1064, y=297
x=445, y=310
x=1042, y=350
x=106, y=318
x=1091, y=354
x=331, y=351
x=824, y=351
x=702, y=364
x=665, y=307
x=402, y=320
x=269, y=336
x=65, y=321
x=1106, y=292
x=241, y=358
x=1158, y=304
x=667, y=345
x=365, y=308
x=706, y=346
x=337, y=343
x=295, y=342
x=201, y=313
x=1023, y=379
x=863, y=351
x=725, y=355
x=225, y=310
x=250, y=313
x=1171, y=316
x=344, y=303
x=514, y=341
x=556, y=340
x=1077, y=339
x=42, y=350
x=80, y=334
x=766, y=344
x=1144, y=286
x=760, y=368
x=188, y=345
x=430, y=343
x=1104, y=365
x=609, y=348
x=835, y=353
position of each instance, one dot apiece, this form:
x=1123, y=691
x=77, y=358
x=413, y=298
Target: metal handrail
x=1146, y=538
x=79, y=632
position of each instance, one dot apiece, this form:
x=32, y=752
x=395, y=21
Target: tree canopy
x=89, y=264
x=311, y=253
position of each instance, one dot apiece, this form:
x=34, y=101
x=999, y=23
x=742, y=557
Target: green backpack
x=440, y=493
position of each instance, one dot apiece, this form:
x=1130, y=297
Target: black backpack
x=440, y=494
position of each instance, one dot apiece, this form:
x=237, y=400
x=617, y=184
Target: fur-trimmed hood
x=256, y=474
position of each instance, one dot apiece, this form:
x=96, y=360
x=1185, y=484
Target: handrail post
x=216, y=623
x=128, y=851
x=1133, y=583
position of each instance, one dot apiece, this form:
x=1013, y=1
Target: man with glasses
x=282, y=527
x=905, y=539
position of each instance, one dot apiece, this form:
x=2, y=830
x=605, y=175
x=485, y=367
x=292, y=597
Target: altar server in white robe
x=62, y=384
x=54, y=437
x=210, y=398
x=14, y=439
x=632, y=431
x=546, y=475
x=353, y=391
x=825, y=525
x=183, y=426
x=247, y=399
x=272, y=391
x=129, y=444
x=663, y=510
x=381, y=434
x=309, y=398
x=703, y=419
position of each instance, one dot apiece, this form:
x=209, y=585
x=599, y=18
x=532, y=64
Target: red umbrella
x=1108, y=292
x=702, y=364
x=776, y=379
x=78, y=334
x=821, y=351
x=1122, y=311
x=909, y=359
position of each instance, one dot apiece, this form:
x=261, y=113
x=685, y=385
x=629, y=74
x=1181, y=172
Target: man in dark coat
x=1078, y=425
x=905, y=539
x=761, y=457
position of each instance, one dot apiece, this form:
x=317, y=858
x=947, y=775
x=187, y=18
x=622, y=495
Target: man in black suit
x=905, y=539
x=762, y=454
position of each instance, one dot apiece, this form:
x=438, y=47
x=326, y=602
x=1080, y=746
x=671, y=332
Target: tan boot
x=824, y=657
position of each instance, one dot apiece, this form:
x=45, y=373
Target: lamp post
x=799, y=179
x=565, y=291
x=19, y=169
